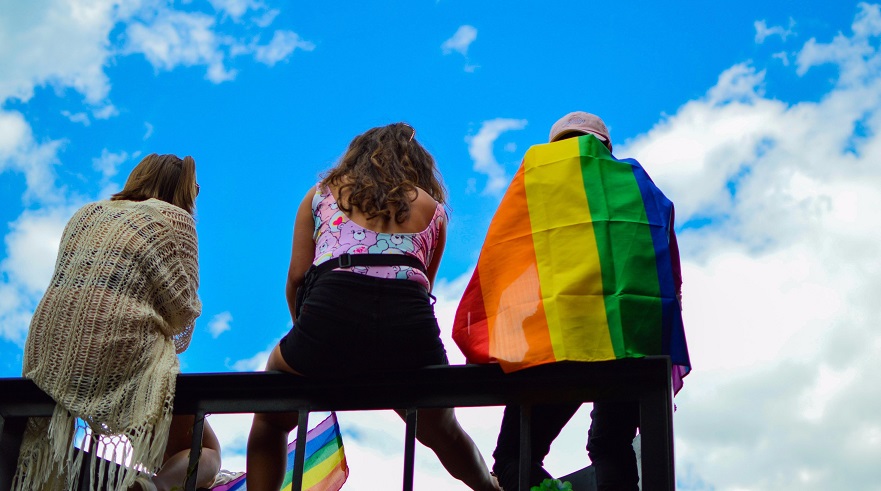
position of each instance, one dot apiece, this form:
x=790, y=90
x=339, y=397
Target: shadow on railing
x=646, y=380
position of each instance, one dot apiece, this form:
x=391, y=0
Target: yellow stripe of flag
x=565, y=247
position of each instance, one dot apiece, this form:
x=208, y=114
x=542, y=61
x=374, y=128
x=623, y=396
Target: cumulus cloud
x=167, y=37
x=32, y=241
x=855, y=55
x=37, y=28
x=108, y=163
x=255, y=363
x=763, y=31
x=460, y=41
x=480, y=148
x=448, y=293
x=783, y=56
x=282, y=44
x=219, y=324
x=148, y=131
x=81, y=118
x=176, y=38
x=31, y=248
x=778, y=271
x=20, y=152
x=235, y=8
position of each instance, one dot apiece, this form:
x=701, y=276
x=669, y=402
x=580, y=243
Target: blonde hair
x=165, y=177
x=380, y=171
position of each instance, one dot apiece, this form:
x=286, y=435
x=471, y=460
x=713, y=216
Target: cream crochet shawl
x=104, y=339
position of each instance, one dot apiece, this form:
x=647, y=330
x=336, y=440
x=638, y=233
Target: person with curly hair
x=367, y=244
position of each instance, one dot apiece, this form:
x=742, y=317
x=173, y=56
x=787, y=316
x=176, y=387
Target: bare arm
x=302, y=251
x=438, y=252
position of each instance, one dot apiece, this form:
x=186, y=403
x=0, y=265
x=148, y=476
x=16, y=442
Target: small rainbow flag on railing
x=325, y=468
x=576, y=265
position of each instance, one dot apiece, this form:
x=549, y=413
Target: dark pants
x=546, y=422
x=610, y=443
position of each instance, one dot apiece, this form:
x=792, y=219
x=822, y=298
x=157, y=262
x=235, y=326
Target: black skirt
x=353, y=323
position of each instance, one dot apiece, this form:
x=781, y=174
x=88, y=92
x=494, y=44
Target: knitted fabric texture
x=104, y=339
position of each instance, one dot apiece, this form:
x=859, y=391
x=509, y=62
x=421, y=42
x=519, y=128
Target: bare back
x=421, y=212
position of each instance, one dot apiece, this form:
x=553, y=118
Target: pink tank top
x=336, y=234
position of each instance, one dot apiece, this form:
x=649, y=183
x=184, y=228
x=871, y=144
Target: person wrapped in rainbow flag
x=580, y=263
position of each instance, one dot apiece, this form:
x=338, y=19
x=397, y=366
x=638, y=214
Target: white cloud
x=219, y=324
x=31, y=248
x=108, y=163
x=16, y=310
x=235, y=8
x=470, y=67
x=167, y=37
x=36, y=29
x=175, y=38
x=256, y=363
x=763, y=31
x=266, y=18
x=783, y=56
x=282, y=44
x=20, y=152
x=81, y=118
x=448, y=294
x=855, y=55
x=739, y=83
x=480, y=148
x=32, y=240
x=105, y=111
x=461, y=40
x=148, y=131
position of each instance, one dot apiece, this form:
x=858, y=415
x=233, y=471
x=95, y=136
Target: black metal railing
x=646, y=380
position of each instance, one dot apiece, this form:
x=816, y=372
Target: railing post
x=10, y=443
x=656, y=428
x=525, y=445
x=300, y=452
x=410, y=448
x=195, y=451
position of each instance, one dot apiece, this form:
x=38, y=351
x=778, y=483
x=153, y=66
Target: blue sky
x=759, y=120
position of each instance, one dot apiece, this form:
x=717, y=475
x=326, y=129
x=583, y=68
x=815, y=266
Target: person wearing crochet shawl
x=104, y=339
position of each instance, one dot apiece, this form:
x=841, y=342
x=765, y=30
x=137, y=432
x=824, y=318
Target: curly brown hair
x=380, y=171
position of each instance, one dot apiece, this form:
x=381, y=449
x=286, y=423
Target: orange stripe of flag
x=518, y=331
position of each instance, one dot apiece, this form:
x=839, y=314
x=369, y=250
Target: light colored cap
x=580, y=122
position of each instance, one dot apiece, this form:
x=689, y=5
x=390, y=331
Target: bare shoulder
x=422, y=209
x=423, y=206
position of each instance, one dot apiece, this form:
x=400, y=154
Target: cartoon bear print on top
x=335, y=234
x=355, y=238
x=402, y=242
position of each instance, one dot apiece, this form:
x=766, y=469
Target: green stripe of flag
x=626, y=251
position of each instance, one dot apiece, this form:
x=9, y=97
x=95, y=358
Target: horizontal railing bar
x=443, y=386
x=645, y=380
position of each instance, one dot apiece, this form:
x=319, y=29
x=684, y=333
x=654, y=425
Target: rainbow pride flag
x=325, y=468
x=576, y=265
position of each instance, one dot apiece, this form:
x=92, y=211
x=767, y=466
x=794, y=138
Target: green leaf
x=553, y=485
